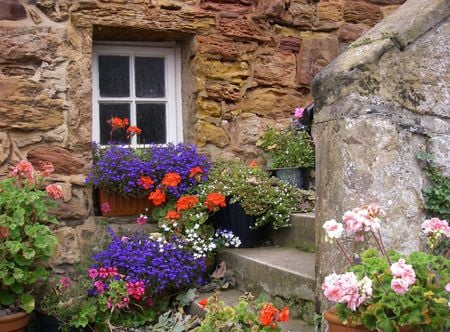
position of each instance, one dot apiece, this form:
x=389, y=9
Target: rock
x=272, y=8
x=350, y=31
x=216, y=47
x=439, y=147
x=330, y=11
x=206, y=108
x=275, y=69
x=5, y=147
x=209, y=133
x=388, y=10
x=301, y=13
x=240, y=28
x=233, y=7
x=75, y=209
x=222, y=90
x=12, y=10
x=233, y=72
x=64, y=161
x=290, y=44
x=361, y=12
x=387, y=2
x=68, y=250
x=316, y=52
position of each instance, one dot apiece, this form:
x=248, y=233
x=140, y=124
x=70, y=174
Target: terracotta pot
x=123, y=206
x=15, y=322
x=335, y=325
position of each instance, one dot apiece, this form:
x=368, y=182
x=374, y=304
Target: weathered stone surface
x=290, y=44
x=272, y=8
x=5, y=147
x=275, y=69
x=388, y=10
x=301, y=13
x=315, y=53
x=75, y=209
x=222, y=90
x=12, y=10
x=351, y=31
x=208, y=108
x=233, y=72
x=209, y=133
x=64, y=161
x=57, y=10
x=330, y=11
x=217, y=47
x=68, y=250
x=361, y=12
x=387, y=2
x=228, y=7
x=439, y=147
x=269, y=102
x=241, y=28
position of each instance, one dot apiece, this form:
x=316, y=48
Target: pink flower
x=142, y=219
x=447, y=287
x=54, y=190
x=99, y=287
x=103, y=273
x=124, y=239
x=65, y=281
x=47, y=168
x=404, y=271
x=24, y=168
x=362, y=219
x=105, y=207
x=436, y=225
x=400, y=286
x=333, y=229
x=299, y=112
x=93, y=273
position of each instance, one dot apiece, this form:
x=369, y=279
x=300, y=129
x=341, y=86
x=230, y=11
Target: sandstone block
x=275, y=69
x=330, y=11
x=5, y=147
x=439, y=147
x=301, y=13
x=222, y=90
x=351, y=32
x=206, y=108
x=388, y=10
x=234, y=72
x=387, y=2
x=361, y=12
x=12, y=10
x=68, y=250
x=217, y=47
x=271, y=8
x=209, y=133
x=316, y=52
x=236, y=7
x=290, y=44
x=241, y=28
x=75, y=209
x=64, y=160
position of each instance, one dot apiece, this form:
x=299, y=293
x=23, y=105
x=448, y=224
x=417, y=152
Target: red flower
x=171, y=180
x=253, y=163
x=47, y=168
x=54, y=190
x=195, y=171
x=105, y=207
x=172, y=215
x=267, y=314
x=157, y=197
x=133, y=130
x=146, y=182
x=117, y=123
x=202, y=303
x=186, y=202
x=283, y=315
x=215, y=199
x=4, y=232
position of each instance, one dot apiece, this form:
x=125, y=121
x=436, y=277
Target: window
x=141, y=83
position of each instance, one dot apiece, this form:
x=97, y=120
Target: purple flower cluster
x=119, y=168
x=164, y=267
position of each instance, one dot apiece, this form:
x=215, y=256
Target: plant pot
x=49, y=323
x=295, y=176
x=335, y=325
x=14, y=322
x=123, y=206
x=233, y=218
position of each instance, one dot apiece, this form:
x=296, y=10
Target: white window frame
x=172, y=54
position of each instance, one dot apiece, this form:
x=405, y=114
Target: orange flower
x=215, y=199
x=186, y=202
x=267, y=314
x=203, y=302
x=157, y=197
x=195, y=171
x=253, y=163
x=133, y=130
x=146, y=182
x=172, y=215
x=117, y=123
x=171, y=180
x=284, y=315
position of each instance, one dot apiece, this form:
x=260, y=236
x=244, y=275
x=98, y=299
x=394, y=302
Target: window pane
x=107, y=112
x=150, y=77
x=114, y=76
x=151, y=118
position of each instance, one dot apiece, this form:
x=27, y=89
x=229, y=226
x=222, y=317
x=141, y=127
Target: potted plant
x=290, y=151
x=151, y=175
x=26, y=241
x=385, y=290
x=254, y=199
x=250, y=314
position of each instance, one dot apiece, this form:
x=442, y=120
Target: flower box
x=122, y=206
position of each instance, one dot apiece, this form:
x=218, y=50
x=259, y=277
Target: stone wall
x=246, y=64
x=378, y=104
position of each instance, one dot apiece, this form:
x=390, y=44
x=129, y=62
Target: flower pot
x=49, y=323
x=14, y=322
x=234, y=218
x=296, y=176
x=123, y=206
x=335, y=325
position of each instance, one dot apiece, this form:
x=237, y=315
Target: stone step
x=286, y=275
x=301, y=235
x=231, y=297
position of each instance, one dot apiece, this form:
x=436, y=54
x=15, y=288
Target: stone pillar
x=377, y=105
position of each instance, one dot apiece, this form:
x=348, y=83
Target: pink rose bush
x=385, y=290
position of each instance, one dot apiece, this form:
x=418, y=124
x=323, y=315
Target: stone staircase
x=285, y=271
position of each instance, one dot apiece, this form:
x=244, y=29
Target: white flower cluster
x=227, y=238
x=201, y=247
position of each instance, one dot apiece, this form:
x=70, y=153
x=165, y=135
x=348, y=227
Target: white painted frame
x=172, y=54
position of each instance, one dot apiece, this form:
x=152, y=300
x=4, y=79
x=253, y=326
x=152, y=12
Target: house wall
x=246, y=65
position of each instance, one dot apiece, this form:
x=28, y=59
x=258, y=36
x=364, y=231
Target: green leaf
x=28, y=253
x=27, y=302
x=6, y=298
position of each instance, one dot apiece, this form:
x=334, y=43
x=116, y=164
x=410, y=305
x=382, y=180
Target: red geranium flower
x=133, y=130
x=157, y=197
x=172, y=215
x=203, y=303
x=171, y=180
x=267, y=314
x=146, y=182
x=215, y=199
x=195, y=171
x=186, y=202
x=284, y=315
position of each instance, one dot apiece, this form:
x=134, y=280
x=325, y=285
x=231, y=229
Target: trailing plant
x=437, y=195
x=26, y=241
